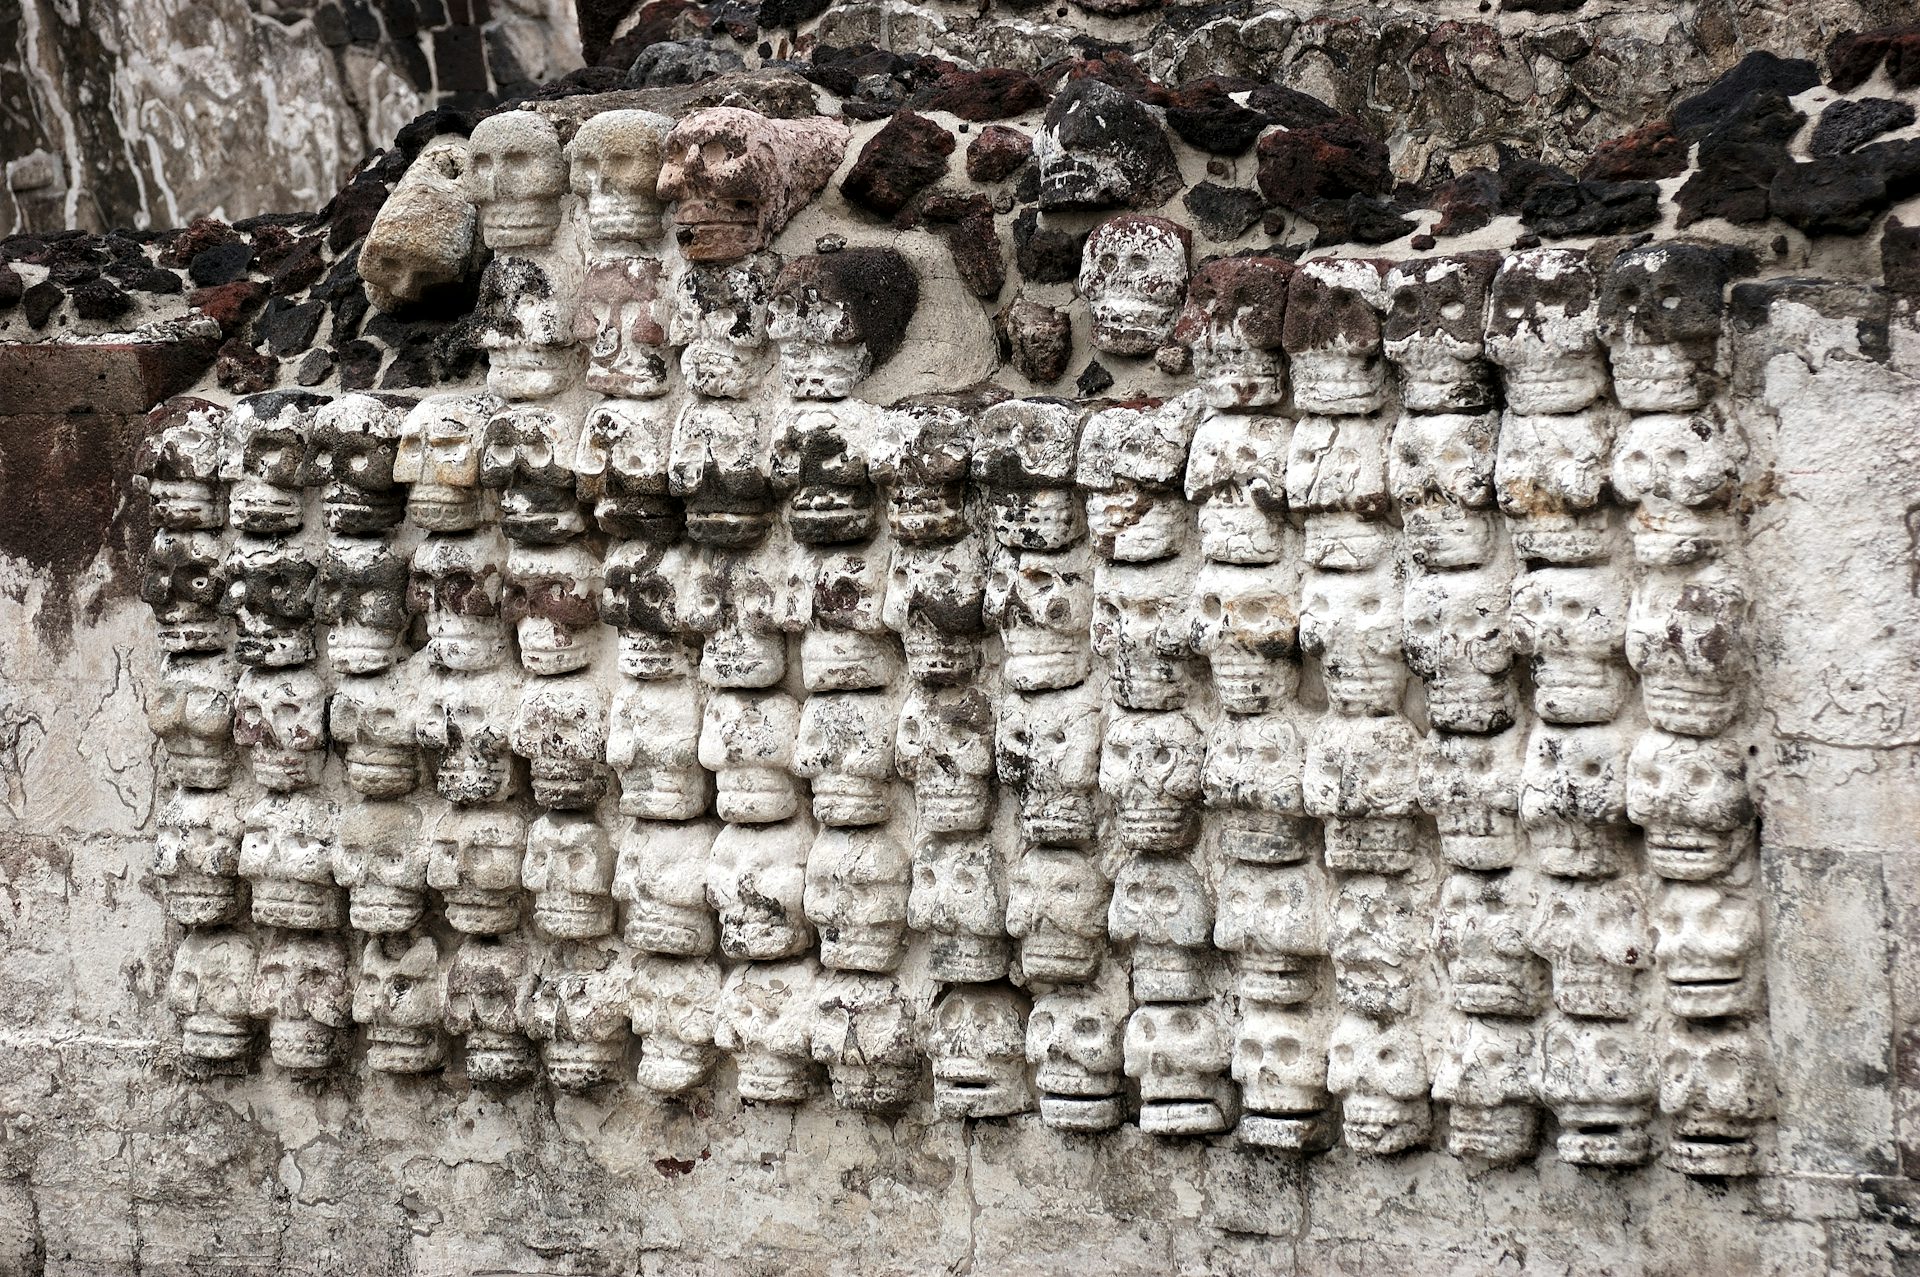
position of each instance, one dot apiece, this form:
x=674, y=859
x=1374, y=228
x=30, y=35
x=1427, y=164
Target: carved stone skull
x=1245, y=621
x=373, y=720
x=1180, y=1055
x=719, y=457
x=756, y=884
x=285, y=858
x=613, y=164
x=660, y=876
x=210, y=989
x=737, y=177
x=1351, y=622
x=1280, y=1062
x=1130, y=463
x=1687, y=639
x=977, y=1039
x=552, y=597
x=423, y=239
x=1101, y=148
x=525, y=323
x=185, y=584
x=578, y=1011
x=857, y=882
x=439, y=459
x=747, y=741
x=959, y=901
x=1043, y=605
x=645, y=597
x=569, y=870
x=467, y=725
x=944, y=746
x=1161, y=907
x=1140, y=626
x=1380, y=1073
x=401, y=998
x=719, y=319
x=1709, y=950
x=1691, y=798
x=1716, y=1084
x=934, y=601
x=1150, y=766
x=1440, y=467
x=1273, y=919
x=1480, y=933
x=923, y=451
x=191, y=711
x=733, y=603
x=473, y=861
x=1660, y=315
x=516, y=177
x=356, y=439
x=1362, y=780
x=381, y=859
x=487, y=983
x=1542, y=329
x=1595, y=937
x=618, y=321
x=1484, y=1076
x=1331, y=334
x=1434, y=331
x=1599, y=1078
x=1133, y=275
x=1057, y=905
x=1456, y=641
x=363, y=602
x=269, y=461
x=1572, y=623
x=457, y=582
x=866, y=1031
x=197, y=856
x=178, y=464
x=653, y=747
x=279, y=718
x=839, y=597
x=838, y=316
x=1024, y=456
x=1470, y=785
x=1378, y=940
x=1681, y=471
x=820, y=458
x=765, y=1022
x=1236, y=307
x=561, y=730
x=1047, y=750
x=1549, y=473
x=675, y=1001
x=1337, y=479
x=1237, y=477
x=272, y=586
x=622, y=467
x=1573, y=800
x=1074, y=1046
x=1251, y=777
x=302, y=992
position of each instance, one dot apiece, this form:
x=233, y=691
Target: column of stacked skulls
x=663, y=711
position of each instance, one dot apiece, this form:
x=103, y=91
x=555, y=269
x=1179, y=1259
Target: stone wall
x=1418, y=672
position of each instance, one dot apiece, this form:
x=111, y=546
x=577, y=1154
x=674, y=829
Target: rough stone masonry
x=893, y=640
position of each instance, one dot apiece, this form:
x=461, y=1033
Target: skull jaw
x=197, y=763
x=473, y=778
x=202, y=900
x=1167, y=973
x=1379, y=992
x=718, y=230
x=1690, y=706
x=297, y=906
x=1691, y=854
x=361, y=649
x=845, y=660
x=1276, y=979
x=754, y=796
x=1336, y=384
x=649, y=657
x=1571, y=849
x=962, y=1089
x=519, y=223
x=951, y=804
x=669, y=1066
x=1343, y=541
x=575, y=1066
x=1060, y=957
x=769, y=1078
x=1082, y=1112
x=301, y=1045
x=1710, y=992
x=1667, y=534
x=742, y=660
x=1659, y=377
x=1562, y=539
x=1573, y=691
x=665, y=794
x=259, y=507
x=1056, y=819
x=186, y=504
x=284, y=770
x=1603, y=1135
x=566, y=784
x=358, y=512
x=1494, y=987
x=1291, y=1132
x=1240, y=534
x=498, y=1059
x=1248, y=683
x=1042, y=661
x=1182, y=1117
x=572, y=915
x=940, y=660
x=529, y=372
x=961, y=958
x=272, y=644
x=398, y=1048
x=1126, y=326
x=215, y=1038
x=1446, y=536
x=380, y=910
x=1036, y=518
x=762, y=940
x=1380, y=1125
x=471, y=648
x=1498, y=1134
x=381, y=771
x=878, y=947
x=873, y=1088
x=1370, y=844
x=1712, y=1146
x=1475, y=704
x=204, y=633
x=654, y=926
x=1369, y=686
x=843, y=800
x=478, y=911
x=1594, y=990
x=1485, y=846
x=1144, y=827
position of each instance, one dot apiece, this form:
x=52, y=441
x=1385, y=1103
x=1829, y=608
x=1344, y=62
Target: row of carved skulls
x=768, y=891
x=736, y=178
x=994, y=1050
